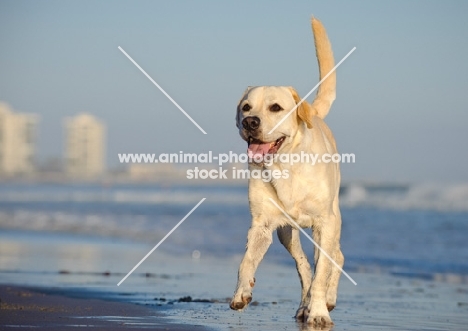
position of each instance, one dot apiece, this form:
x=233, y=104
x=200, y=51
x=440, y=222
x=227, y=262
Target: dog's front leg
x=259, y=239
x=318, y=314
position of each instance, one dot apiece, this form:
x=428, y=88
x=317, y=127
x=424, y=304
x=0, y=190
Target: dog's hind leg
x=334, y=279
x=337, y=256
x=290, y=239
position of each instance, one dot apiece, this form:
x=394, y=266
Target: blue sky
x=401, y=101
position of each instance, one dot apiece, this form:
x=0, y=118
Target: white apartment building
x=17, y=142
x=84, y=146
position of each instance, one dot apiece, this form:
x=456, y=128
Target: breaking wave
x=406, y=197
x=398, y=197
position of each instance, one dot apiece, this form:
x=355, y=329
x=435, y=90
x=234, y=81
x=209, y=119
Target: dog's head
x=261, y=108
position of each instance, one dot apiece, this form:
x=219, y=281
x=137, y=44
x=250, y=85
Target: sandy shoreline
x=380, y=302
x=63, y=282
x=22, y=307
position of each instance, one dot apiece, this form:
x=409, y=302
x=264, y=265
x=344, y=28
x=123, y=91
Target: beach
x=397, y=304
x=64, y=249
x=171, y=292
x=38, y=308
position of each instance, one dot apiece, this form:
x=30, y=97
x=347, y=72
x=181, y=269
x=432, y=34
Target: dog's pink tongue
x=258, y=149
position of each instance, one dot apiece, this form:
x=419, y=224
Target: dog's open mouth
x=258, y=147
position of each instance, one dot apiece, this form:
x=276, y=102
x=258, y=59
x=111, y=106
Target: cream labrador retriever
x=309, y=195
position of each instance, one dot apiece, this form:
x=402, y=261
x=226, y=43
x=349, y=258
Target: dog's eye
x=246, y=107
x=275, y=107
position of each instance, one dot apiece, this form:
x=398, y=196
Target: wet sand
x=60, y=283
x=27, y=308
x=379, y=302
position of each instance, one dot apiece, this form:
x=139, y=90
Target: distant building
x=17, y=142
x=84, y=146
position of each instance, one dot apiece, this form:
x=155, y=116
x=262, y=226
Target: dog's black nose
x=251, y=123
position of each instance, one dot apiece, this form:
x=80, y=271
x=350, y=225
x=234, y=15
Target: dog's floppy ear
x=304, y=111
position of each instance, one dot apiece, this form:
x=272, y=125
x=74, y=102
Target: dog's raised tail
x=327, y=90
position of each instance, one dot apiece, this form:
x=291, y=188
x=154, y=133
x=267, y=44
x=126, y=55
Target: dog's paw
x=315, y=315
x=320, y=320
x=313, y=322
x=243, y=295
x=240, y=302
